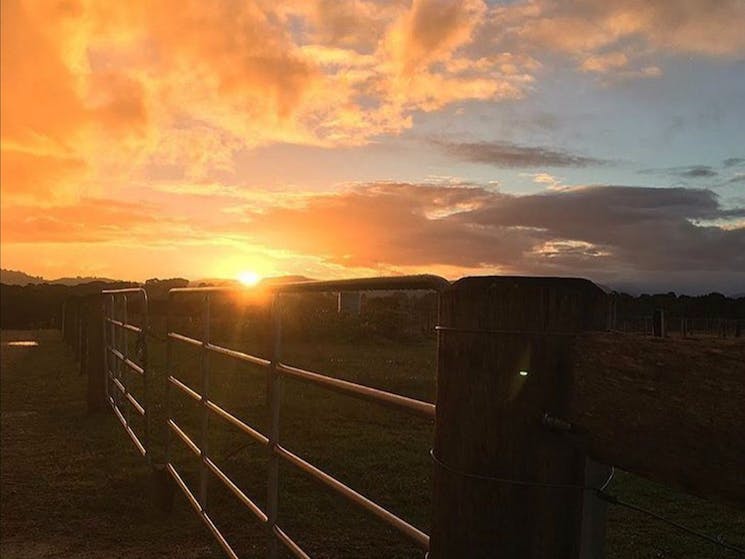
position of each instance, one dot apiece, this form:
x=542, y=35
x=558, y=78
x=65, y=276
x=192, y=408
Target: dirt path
x=60, y=495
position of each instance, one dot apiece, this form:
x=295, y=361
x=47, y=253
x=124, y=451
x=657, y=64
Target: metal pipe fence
x=457, y=507
x=119, y=365
x=277, y=371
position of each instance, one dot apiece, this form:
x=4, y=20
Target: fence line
x=682, y=326
x=524, y=333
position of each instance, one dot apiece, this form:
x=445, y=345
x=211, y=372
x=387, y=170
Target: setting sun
x=249, y=277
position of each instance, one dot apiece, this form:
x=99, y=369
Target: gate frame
x=117, y=389
x=276, y=372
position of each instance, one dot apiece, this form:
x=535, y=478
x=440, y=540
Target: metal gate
x=277, y=371
x=126, y=364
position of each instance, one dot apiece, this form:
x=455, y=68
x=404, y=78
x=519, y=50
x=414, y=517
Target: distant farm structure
x=544, y=386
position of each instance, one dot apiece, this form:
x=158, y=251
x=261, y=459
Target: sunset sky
x=339, y=139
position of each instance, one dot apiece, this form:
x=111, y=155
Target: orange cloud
x=598, y=230
x=431, y=31
x=41, y=116
x=110, y=87
x=95, y=90
x=387, y=224
x=612, y=34
x=605, y=62
x=90, y=220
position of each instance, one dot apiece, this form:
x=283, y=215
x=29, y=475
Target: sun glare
x=249, y=277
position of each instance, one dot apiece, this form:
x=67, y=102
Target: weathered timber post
x=613, y=311
x=501, y=476
x=66, y=322
x=71, y=325
x=658, y=323
x=74, y=326
x=79, y=328
x=162, y=488
x=85, y=303
x=94, y=354
x=64, y=318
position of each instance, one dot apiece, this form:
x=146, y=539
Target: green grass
x=72, y=484
x=77, y=483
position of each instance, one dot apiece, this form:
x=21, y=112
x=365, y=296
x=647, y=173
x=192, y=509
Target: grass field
x=74, y=486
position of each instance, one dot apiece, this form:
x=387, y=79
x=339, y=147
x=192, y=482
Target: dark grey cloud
x=506, y=154
x=607, y=233
x=642, y=229
x=685, y=172
x=698, y=172
x=734, y=161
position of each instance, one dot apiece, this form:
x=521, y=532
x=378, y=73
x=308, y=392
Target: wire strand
x=520, y=482
x=612, y=499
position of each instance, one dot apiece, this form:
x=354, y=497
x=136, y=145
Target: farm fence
x=527, y=371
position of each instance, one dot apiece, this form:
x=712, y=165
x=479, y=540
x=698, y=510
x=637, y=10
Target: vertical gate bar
x=275, y=399
x=116, y=333
x=169, y=373
x=144, y=325
x=112, y=342
x=79, y=344
x=205, y=367
x=125, y=352
x=104, y=326
x=121, y=373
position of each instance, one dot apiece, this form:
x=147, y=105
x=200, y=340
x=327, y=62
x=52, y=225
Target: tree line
x=396, y=315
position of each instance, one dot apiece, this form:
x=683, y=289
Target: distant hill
x=80, y=279
x=15, y=277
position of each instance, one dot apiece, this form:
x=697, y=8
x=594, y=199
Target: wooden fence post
x=85, y=304
x=63, y=319
x=658, y=323
x=504, y=362
x=70, y=318
x=73, y=321
x=94, y=366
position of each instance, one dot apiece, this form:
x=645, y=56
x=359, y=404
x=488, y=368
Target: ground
x=73, y=485
x=70, y=487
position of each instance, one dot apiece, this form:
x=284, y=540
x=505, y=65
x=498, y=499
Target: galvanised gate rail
x=277, y=370
x=119, y=365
